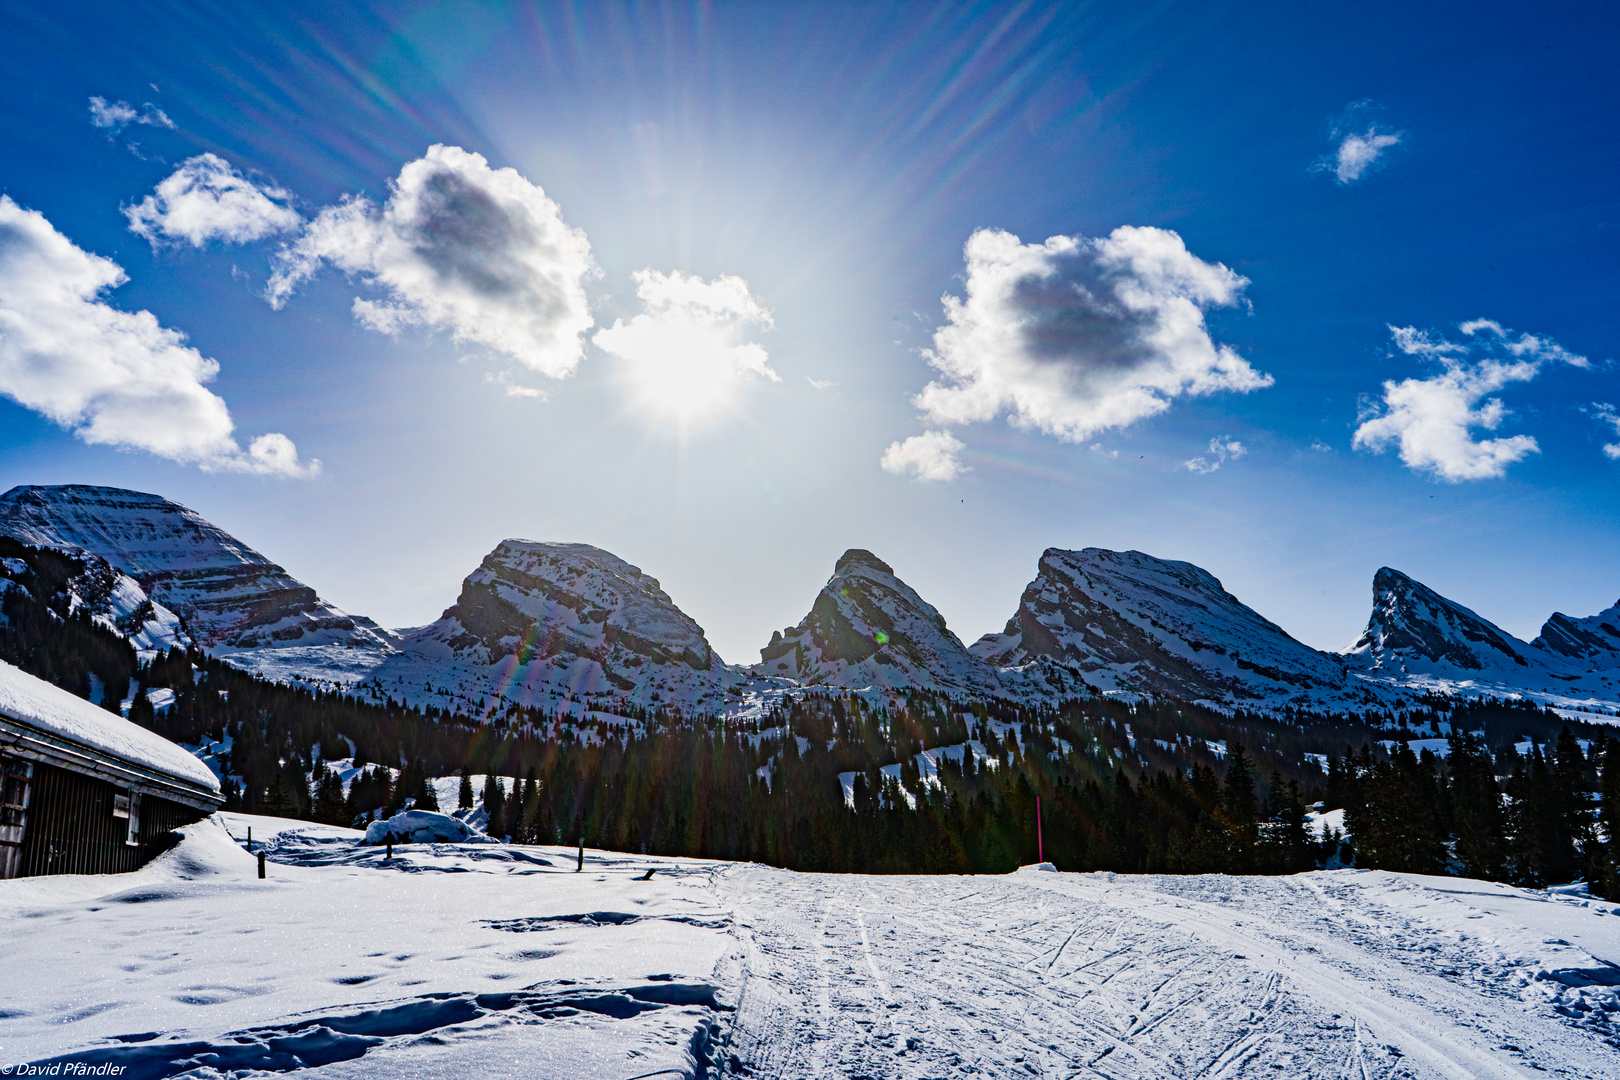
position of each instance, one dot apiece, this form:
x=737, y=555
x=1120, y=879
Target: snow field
x=499, y=961
x=343, y=960
x=1043, y=974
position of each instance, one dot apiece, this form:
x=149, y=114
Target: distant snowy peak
x=228, y=596
x=1123, y=620
x=1592, y=642
x=867, y=628
x=540, y=622
x=1415, y=629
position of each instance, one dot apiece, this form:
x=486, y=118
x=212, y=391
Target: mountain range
x=552, y=625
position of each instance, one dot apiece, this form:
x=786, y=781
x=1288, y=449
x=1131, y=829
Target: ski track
x=1066, y=975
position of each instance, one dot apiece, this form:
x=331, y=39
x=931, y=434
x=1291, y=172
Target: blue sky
x=796, y=187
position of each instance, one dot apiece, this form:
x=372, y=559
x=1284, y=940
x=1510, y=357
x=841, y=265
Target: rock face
x=1414, y=629
x=867, y=628
x=169, y=565
x=1592, y=643
x=1125, y=621
x=537, y=623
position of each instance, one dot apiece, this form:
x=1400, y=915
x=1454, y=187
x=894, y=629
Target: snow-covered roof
x=54, y=711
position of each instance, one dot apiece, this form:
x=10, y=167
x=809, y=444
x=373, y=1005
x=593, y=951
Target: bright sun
x=683, y=359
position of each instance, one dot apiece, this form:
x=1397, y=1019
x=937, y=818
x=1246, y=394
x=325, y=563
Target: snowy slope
x=54, y=711
x=1126, y=621
x=499, y=961
x=228, y=595
x=867, y=628
x=541, y=623
x=1418, y=640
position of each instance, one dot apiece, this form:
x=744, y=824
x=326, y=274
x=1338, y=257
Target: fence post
x=1040, y=847
x=261, y=865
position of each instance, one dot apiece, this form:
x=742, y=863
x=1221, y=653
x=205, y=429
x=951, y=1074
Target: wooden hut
x=84, y=791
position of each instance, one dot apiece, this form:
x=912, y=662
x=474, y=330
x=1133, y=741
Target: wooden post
x=250, y=839
x=261, y=866
x=581, y=865
x=1040, y=848
x=390, y=845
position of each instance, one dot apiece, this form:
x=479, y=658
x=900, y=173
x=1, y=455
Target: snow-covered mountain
x=1419, y=640
x=553, y=624
x=867, y=628
x=541, y=623
x=1126, y=621
x=1592, y=642
x=172, y=576
x=1415, y=629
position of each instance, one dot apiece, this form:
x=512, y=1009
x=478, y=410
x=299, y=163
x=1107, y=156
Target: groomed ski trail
x=1064, y=975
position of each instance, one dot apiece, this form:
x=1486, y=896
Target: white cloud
x=1321, y=447
x=820, y=384
x=1431, y=420
x=1605, y=414
x=1359, y=149
x=458, y=246
x=117, y=115
x=929, y=456
x=1222, y=448
x=205, y=199
x=1078, y=335
x=1358, y=153
x=684, y=356
x=112, y=377
x=504, y=379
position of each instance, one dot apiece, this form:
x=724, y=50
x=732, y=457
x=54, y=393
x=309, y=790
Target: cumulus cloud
x=1605, y=413
x=930, y=456
x=1432, y=420
x=115, y=116
x=1358, y=150
x=205, y=199
x=1078, y=335
x=112, y=377
x=1222, y=448
x=684, y=355
x=458, y=246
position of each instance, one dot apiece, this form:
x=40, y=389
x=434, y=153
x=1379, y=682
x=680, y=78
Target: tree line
x=833, y=782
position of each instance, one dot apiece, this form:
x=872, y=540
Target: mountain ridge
x=551, y=625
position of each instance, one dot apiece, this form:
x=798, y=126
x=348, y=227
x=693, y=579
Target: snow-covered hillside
x=867, y=628
x=167, y=562
x=499, y=961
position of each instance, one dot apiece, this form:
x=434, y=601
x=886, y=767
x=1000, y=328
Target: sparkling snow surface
x=51, y=709
x=496, y=961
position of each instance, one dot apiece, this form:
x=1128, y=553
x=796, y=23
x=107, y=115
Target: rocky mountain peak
x=1591, y=642
x=541, y=622
x=1414, y=628
x=867, y=628
x=227, y=596
x=1126, y=620
x=862, y=557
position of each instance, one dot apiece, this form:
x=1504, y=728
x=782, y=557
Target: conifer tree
x=1476, y=807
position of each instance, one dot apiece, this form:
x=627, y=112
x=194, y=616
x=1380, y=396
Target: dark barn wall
x=71, y=828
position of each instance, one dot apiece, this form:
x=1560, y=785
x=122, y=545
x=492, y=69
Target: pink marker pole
x=1040, y=848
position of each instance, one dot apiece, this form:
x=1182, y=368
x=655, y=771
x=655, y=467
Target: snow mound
x=423, y=827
